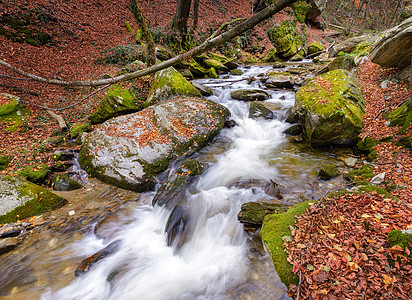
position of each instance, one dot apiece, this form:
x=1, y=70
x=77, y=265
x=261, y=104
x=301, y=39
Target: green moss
x=366, y=146
x=41, y=201
x=397, y=237
x=62, y=182
x=253, y=213
x=216, y=64
x=236, y=72
x=286, y=39
x=118, y=101
x=363, y=173
x=338, y=104
x=315, y=47
x=35, y=174
x=192, y=167
x=13, y=113
x=399, y=115
x=169, y=83
x=5, y=161
x=78, y=129
x=211, y=73
x=300, y=9
x=275, y=227
x=328, y=171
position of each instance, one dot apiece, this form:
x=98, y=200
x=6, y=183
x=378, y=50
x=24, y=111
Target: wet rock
x=89, y=262
x=105, y=229
x=273, y=189
x=278, y=80
x=9, y=232
x=328, y=171
x=350, y=161
x=236, y=72
x=253, y=213
x=204, y=90
x=167, y=84
x=8, y=244
x=14, y=273
x=250, y=95
x=331, y=108
x=295, y=129
x=20, y=199
x=61, y=182
x=174, y=189
x=258, y=111
x=291, y=116
x=62, y=155
x=230, y=123
x=177, y=227
x=129, y=151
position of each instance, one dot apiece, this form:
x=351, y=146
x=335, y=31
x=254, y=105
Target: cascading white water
x=214, y=262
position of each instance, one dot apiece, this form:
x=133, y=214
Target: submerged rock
x=250, y=95
x=128, y=151
x=20, y=199
x=177, y=227
x=331, y=108
x=86, y=264
x=8, y=244
x=61, y=182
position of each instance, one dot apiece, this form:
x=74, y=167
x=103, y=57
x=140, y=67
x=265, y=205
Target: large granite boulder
x=128, y=151
x=168, y=83
x=330, y=109
x=393, y=48
x=20, y=199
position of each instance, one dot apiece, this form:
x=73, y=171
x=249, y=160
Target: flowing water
x=221, y=260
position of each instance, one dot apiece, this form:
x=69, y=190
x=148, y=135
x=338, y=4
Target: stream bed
x=220, y=260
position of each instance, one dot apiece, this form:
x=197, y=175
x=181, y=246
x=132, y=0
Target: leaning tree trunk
x=205, y=46
x=181, y=17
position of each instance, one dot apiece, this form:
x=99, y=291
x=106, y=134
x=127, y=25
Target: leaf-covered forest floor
x=344, y=253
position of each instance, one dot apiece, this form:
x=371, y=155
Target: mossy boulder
x=62, y=155
x=253, y=213
x=286, y=38
x=12, y=112
x=36, y=174
x=250, y=95
x=398, y=116
x=118, y=101
x=173, y=191
x=168, y=83
x=315, y=49
x=361, y=174
x=79, y=128
x=328, y=171
x=278, y=80
x=204, y=90
x=5, y=161
x=20, y=199
x=274, y=228
x=216, y=64
x=366, y=146
x=258, y=111
x=270, y=55
x=236, y=72
x=128, y=151
x=62, y=182
x=300, y=8
x=331, y=108
x=344, y=62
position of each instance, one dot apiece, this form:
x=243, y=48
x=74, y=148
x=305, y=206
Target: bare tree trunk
x=205, y=46
x=141, y=21
x=195, y=14
x=365, y=15
x=181, y=17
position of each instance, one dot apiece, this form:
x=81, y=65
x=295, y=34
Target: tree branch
x=207, y=45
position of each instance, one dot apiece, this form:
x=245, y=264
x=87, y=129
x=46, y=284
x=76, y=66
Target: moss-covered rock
x=62, y=182
x=258, y=111
x=315, y=48
x=118, y=101
x=365, y=146
x=270, y=55
x=361, y=174
x=62, y=155
x=253, y=213
x=169, y=83
x=249, y=95
x=300, y=8
x=398, y=116
x=12, y=112
x=293, y=130
x=20, y=199
x=128, y=151
x=36, y=174
x=211, y=73
x=204, y=90
x=236, y=72
x=331, y=108
x=328, y=171
x=274, y=228
x=5, y=161
x=79, y=128
x=344, y=62
x=286, y=38
x=216, y=64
